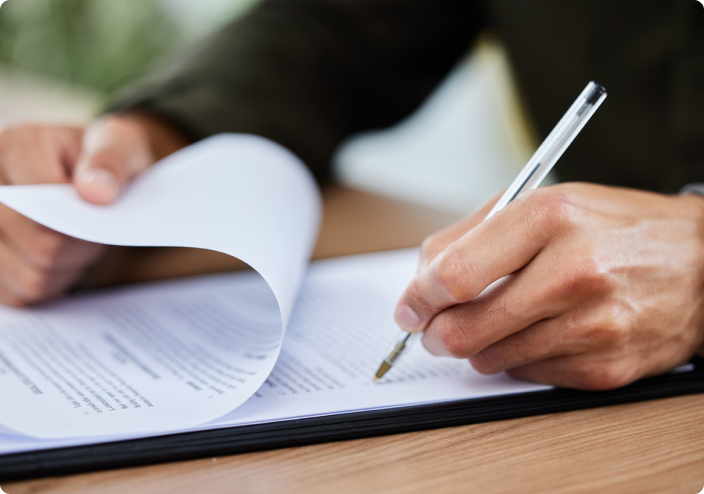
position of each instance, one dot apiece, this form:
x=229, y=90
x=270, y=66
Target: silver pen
x=530, y=177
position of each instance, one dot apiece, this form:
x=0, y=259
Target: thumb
x=115, y=149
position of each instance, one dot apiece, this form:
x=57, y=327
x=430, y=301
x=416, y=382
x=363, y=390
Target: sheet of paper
x=339, y=332
x=239, y=194
x=340, y=328
x=156, y=360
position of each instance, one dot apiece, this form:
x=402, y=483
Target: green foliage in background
x=100, y=44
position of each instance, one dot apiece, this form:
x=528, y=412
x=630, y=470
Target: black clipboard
x=341, y=427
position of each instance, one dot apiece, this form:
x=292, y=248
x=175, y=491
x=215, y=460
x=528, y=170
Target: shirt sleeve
x=308, y=73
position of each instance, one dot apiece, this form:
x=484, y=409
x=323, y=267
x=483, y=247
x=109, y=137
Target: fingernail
x=407, y=318
x=101, y=179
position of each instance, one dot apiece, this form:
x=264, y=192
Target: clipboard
x=341, y=427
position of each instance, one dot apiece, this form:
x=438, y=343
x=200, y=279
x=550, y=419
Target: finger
x=437, y=242
x=495, y=248
x=23, y=284
x=42, y=247
x=507, y=307
x=7, y=298
x=31, y=155
x=540, y=341
x=585, y=372
x=115, y=149
x=552, y=285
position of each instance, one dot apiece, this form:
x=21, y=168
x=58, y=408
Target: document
x=284, y=342
x=339, y=330
x=138, y=360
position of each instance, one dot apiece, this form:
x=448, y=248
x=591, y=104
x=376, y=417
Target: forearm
x=308, y=73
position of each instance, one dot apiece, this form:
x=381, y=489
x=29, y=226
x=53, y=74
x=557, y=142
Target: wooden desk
x=650, y=447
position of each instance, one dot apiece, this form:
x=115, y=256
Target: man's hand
x=37, y=263
x=576, y=285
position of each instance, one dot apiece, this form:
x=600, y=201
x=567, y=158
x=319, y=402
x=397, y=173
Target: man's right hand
x=37, y=263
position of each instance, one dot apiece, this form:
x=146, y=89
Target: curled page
x=159, y=360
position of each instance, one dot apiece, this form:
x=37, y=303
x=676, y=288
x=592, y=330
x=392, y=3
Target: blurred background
x=62, y=60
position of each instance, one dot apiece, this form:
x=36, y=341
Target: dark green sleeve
x=308, y=73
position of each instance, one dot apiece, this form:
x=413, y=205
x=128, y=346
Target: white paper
x=137, y=360
x=340, y=328
x=237, y=194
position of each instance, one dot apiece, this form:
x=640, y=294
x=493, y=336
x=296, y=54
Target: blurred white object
x=466, y=142
x=27, y=98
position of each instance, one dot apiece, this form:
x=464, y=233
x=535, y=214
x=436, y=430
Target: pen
x=530, y=177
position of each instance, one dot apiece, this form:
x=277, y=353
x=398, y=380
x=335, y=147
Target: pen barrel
x=555, y=144
x=402, y=342
x=530, y=177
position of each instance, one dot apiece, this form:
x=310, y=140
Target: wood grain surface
x=353, y=222
x=650, y=447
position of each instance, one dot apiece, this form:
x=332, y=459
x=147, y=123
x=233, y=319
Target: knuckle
x=601, y=376
x=8, y=135
x=552, y=209
x=5, y=136
x=451, y=332
x=485, y=362
x=415, y=298
x=586, y=274
x=106, y=159
x=610, y=332
x=454, y=278
x=47, y=248
x=34, y=284
x=11, y=132
x=430, y=246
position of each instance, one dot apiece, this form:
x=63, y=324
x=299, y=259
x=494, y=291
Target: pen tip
x=383, y=369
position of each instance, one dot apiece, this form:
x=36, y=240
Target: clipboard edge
x=342, y=427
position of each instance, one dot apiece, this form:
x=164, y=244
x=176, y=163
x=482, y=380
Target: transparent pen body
x=530, y=177
x=555, y=144
x=402, y=342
